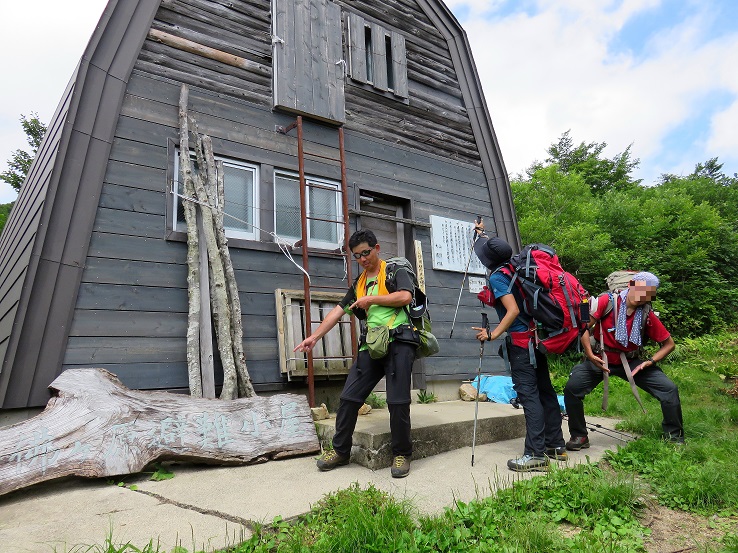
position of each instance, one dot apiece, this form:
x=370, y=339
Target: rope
x=281, y=242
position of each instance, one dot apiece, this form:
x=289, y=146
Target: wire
x=281, y=242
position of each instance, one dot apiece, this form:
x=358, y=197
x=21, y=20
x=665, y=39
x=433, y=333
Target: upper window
x=323, y=210
x=240, y=181
x=377, y=56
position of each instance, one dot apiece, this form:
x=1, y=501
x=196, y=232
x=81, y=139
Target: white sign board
x=452, y=240
x=476, y=284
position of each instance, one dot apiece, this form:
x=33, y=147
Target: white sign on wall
x=452, y=241
x=476, y=284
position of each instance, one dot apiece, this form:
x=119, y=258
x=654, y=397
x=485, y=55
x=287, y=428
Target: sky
x=660, y=75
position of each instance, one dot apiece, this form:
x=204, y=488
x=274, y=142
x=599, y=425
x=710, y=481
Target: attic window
x=377, y=56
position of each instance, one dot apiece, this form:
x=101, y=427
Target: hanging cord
x=283, y=244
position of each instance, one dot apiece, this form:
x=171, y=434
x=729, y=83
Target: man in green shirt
x=378, y=301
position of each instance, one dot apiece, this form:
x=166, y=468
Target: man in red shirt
x=623, y=333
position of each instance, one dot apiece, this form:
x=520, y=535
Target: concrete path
x=212, y=507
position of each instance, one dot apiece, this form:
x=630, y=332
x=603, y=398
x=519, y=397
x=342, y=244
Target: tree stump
x=95, y=426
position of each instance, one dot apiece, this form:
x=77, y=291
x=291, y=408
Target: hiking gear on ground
x=493, y=252
x=400, y=466
x=558, y=453
x=485, y=325
x=475, y=236
x=417, y=311
x=551, y=296
x=577, y=442
x=330, y=460
x=528, y=463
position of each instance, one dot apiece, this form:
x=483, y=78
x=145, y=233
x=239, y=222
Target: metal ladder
x=303, y=243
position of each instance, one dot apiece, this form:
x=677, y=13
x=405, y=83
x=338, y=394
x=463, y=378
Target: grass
x=585, y=508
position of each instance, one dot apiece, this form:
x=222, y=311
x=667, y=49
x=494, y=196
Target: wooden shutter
x=399, y=64
x=307, y=52
x=380, y=57
x=357, y=51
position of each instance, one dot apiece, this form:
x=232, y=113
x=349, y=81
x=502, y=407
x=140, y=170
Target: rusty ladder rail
x=297, y=124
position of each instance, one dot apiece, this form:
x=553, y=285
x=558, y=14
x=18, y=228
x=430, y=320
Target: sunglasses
x=365, y=253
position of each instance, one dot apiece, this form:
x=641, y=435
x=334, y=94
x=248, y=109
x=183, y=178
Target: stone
x=468, y=392
x=320, y=413
x=365, y=409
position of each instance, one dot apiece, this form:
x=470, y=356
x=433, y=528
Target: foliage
x=161, y=473
x=4, y=213
x=376, y=401
x=600, y=174
x=685, y=230
x=20, y=162
x=425, y=396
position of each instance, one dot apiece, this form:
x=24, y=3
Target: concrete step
x=436, y=428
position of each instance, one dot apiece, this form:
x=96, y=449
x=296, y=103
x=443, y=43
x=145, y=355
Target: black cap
x=493, y=252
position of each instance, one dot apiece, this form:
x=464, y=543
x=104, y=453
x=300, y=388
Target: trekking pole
x=463, y=279
x=485, y=324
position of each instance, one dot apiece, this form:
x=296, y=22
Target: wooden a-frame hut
x=92, y=259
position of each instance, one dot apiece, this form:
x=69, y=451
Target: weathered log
x=95, y=427
x=193, y=261
x=220, y=307
x=245, y=388
x=207, y=52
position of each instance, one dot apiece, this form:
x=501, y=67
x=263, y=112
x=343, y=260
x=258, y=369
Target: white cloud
x=552, y=70
x=41, y=43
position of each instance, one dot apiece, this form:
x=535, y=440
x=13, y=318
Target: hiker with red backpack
x=623, y=322
x=529, y=366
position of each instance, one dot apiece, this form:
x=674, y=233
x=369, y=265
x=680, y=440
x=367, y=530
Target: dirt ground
x=677, y=531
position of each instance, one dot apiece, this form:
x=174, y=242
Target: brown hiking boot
x=330, y=460
x=577, y=442
x=400, y=466
x=558, y=453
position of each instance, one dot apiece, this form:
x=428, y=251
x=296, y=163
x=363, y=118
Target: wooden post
x=207, y=368
x=193, y=264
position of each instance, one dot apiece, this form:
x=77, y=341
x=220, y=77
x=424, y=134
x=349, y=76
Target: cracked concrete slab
x=211, y=507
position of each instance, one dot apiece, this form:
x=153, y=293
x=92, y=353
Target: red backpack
x=551, y=296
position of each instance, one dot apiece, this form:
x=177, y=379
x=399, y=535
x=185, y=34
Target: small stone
x=319, y=413
x=366, y=408
x=468, y=392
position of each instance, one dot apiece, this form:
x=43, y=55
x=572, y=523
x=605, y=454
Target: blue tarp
x=500, y=389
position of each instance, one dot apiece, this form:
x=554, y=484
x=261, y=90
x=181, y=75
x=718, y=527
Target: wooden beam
x=207, y=52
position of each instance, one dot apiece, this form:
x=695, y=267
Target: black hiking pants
x=538, y=398
x=586, y=376
x=363, y=377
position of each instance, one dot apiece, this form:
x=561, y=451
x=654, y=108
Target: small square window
x=241, y=190
x=323, y=209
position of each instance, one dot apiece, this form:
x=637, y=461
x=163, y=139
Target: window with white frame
x=241, y=190
x=323, y=208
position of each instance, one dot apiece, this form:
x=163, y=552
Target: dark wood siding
x=132, y=303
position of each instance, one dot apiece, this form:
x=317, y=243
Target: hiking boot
x=577, y=442
x=675, y=440
x=400, y=466
x=558, y=453
x=528, y=463
x=330, y=460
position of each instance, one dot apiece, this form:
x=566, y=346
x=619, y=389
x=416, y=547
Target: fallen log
x=94, y=426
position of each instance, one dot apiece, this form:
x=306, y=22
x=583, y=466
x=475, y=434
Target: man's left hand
x=643, y=365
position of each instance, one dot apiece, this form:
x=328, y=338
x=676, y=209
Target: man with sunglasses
x=620, y=332
x=378, y=301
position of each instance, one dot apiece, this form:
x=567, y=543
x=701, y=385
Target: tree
x=4, y=212
x=600, y=173
x=20, y=163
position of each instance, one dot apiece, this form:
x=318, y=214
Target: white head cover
x=649, y=278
